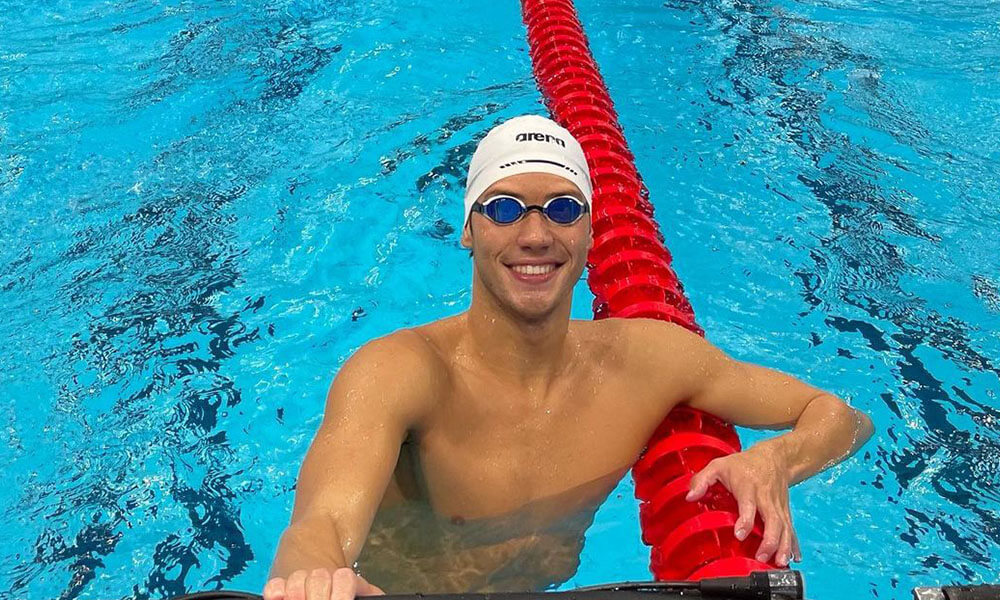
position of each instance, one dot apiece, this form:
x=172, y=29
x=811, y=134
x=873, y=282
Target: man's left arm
x=825, y=431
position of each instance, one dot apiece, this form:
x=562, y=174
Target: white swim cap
x=526, y=144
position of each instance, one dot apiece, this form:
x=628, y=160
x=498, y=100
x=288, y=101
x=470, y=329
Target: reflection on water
x=536, y=547
x=130, y=328
x=861, y=266
x=144, y=383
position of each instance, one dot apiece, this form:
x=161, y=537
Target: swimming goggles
x=506, y=210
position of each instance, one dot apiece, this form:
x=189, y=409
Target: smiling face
x=529, y=267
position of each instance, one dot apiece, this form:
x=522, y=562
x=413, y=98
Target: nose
x=533, y=231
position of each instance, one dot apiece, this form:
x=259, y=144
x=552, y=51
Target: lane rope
x=630, y=275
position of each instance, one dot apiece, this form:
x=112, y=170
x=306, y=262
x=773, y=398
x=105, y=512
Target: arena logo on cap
x=539, y=137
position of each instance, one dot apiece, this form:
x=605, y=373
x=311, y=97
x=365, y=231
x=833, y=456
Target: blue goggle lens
x=504, y=210
x=564, y=210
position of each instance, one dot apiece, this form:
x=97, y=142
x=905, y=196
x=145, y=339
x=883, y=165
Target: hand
x=759, y=482
x=320, y=584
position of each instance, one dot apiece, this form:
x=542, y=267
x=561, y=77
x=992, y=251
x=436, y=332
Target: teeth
x=533, y=269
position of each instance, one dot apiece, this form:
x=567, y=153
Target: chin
x=534, y=308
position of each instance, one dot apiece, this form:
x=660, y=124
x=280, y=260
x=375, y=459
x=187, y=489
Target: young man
x=471, y=453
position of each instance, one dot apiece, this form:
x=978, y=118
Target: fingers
x=773, y=527
x=367, y=589
x=788, y=549
x=748, y=509
x=779, y=535
x=319, y=585
x=796, y=550
x=784, y=546
x=701, y=482
x=295, y=587
x=275, y=589
x=345, y=584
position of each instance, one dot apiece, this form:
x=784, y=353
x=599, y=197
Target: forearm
x=309, y=543
x=827, y=432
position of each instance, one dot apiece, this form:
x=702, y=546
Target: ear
x=466, y=239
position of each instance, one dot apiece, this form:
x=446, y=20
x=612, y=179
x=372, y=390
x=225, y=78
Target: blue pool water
x=208, y=206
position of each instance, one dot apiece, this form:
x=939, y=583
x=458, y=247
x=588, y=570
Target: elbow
x=865, y=428
x=869, y=425
x=846, y=414
x=856, y=421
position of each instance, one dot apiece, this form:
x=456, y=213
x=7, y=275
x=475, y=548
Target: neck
x=532, y=352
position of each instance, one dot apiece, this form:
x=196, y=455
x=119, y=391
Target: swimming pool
x=208, y=207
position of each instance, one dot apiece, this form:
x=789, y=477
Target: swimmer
x=470, y=453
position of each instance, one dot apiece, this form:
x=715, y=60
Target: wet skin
x=471, y=453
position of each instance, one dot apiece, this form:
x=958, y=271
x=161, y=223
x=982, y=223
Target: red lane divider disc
x=610, y=215
x=725, y=567
x=657, y=310
x=575, y=85
x=686, y=419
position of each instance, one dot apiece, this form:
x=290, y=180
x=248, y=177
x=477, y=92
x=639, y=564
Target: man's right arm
x=383, y=391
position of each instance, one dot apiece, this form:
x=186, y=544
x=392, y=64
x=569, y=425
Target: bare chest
x=494, y=449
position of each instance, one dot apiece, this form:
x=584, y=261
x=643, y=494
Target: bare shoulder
x=652, y=330
x=637, y=333
x=651, y=345
x=416, y=354
x=401, y=372
x=628, y=344
x=413, y=342
x=411, y=352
